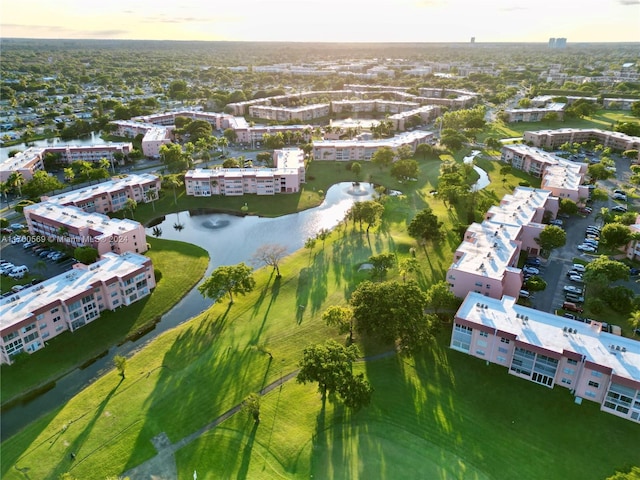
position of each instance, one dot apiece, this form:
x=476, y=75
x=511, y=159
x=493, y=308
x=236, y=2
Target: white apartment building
x=534, y=114
x=112, y=195
x=71, y=300
x=76, y=228
x=552, y=139
x=551, y=350
x=287, y=177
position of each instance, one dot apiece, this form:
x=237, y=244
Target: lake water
x=229, y=240
x=483, y=181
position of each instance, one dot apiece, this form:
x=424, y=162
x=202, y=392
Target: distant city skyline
x=327, y=20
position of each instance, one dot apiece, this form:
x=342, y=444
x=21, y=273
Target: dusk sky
x=326, y=20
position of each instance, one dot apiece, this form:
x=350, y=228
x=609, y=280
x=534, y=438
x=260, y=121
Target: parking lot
x=16, y=254
x=554, y=269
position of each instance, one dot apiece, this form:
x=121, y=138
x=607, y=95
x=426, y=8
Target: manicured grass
x=440, y=415
x=179, y=266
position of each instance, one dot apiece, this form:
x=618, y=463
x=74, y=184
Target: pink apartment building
x=565, y=179
x=112, y=195
x=552, y=139
x=71, y=300
x=76, y=228
x=534, y=114
x=535, y=161
x=345, y=150
x=552, y=350
x=486, y=260
x=287, y=177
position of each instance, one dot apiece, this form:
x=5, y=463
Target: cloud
x=629, y=2
x=54, y=31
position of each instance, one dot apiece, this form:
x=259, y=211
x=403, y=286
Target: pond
x=229, y=240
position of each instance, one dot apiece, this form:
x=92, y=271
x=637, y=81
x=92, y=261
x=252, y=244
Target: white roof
x=113, y=185
x=78, y=218
x=564, y=175
x=20, y=160
x=18, y=307
x=487, y=249
x=289, y=158
x=546, y=330
x=400, y=139
x=520, y=207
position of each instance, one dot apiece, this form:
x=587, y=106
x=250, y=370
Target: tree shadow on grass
x=246, y=453
x=263, y=293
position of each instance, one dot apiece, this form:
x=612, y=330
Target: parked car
x=533, y=261
x=594, y=227
x=591, y=241
x=573, y=289
x=17, y=226
x=620, y=196
x=564, y=215
x=634, y=271
x=524, y=294
x=573, y=273
x=6, y=268
x=586, y=248
x=17, y=288
x=576, y=278
x=570, y=316
x=531, y=270
x=19, y=272
x=28, y=245
x=578, y=267
x=556, y=222
x=570, y=297
x=619, y=209
x=572, y=307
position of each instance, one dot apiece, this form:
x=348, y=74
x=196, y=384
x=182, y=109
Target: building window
x=501, y=359
x=568, y=371
x=594, y=384
x=484, y=334
x=478, y=284
x=522, y=362
x=482, y=343
x=590, y=394
x=480, y=352
x=566, y=381
x=503, y=350
x=461, y=338
x=571, y=361
x=504, y=340
x=595, y=374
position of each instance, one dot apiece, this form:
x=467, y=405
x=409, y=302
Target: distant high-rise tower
x=557, y=43
x=473, y=40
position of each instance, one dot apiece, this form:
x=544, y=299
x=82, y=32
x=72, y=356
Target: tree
x=408, y=265
x=121, y=365
x=231, y=163
x=371, y=212
x=310, y=243
x=356, y=168
x=403, y=169
x=425, y=226
x=232, y=279
x=568, y=206
x=86, y=255
x=341, y=317
x=381, y=263
x=223, y=142
x=16, y=180
x=130, y=205
x=270, y=254
x=391, y=311
x=173, y=182
x=551, y=237
x=40, y=184
x=230, y=135
x=536, y=284
x=634, y=321
x=615, y=235
x=597, y=171
x=440, y=298
x=174, y=158
x=383, y=157
x=424, y=149
x=602, y=271
x=251, y=405
x=329, y=364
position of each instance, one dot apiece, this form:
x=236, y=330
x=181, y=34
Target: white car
x=586, y=248
x=578, y=267
x=576, y=278
x=573, y=289
x=531, y=270
x=6, y=268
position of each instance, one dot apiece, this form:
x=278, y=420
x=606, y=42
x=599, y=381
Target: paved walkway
x=163, y=465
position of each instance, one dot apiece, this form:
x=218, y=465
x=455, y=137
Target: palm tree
x=222, y=143
x=130, y=205
x=16, y=180
x=634, y=321
x=173, y=182
x=4, y=188
x=69, y=174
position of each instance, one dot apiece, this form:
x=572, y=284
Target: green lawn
x=70, y=350
x=441, y=415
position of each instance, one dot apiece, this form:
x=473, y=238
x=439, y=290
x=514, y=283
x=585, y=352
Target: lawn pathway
x=163, y=465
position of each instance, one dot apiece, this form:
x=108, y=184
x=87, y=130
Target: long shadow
x=275, y=290
x=263, y=294
x=246, y=453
